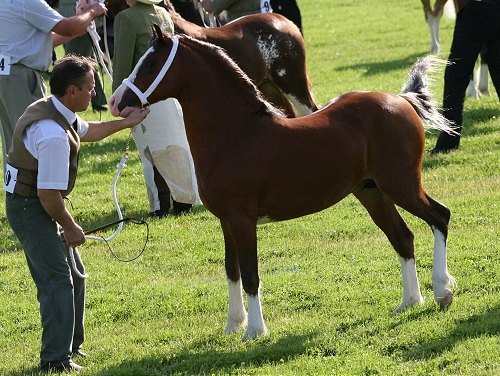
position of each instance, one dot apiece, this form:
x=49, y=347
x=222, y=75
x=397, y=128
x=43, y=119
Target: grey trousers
x=60, y=292
x=17, y=91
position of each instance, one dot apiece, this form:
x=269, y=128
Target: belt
x=26, y=67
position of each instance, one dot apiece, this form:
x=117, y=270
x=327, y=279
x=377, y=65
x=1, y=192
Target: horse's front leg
x=411, y=285
x=440, y=276
x=243, y=231
x=236, y=314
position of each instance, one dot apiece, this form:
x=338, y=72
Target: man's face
x=86, y=93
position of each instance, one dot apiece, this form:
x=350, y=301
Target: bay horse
x=268, y=47
x=433, y=19
x=254, y=165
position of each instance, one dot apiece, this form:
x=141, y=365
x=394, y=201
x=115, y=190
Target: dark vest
x=20, y=158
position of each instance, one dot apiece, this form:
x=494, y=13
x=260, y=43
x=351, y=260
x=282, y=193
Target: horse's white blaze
x=440, y=276
x=256, y=326
x=236, y=314
x=411, y=286
x=115, y=99
x=298, y=108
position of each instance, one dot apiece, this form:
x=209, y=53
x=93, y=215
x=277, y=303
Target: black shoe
x=435, y=151
x=79, y=352
x=181, y=208
x=158, y=214
x=67, y=367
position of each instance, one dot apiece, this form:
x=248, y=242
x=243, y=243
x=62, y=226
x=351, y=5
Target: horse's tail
x=417, y=92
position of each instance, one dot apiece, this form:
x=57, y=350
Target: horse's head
x=142, y=88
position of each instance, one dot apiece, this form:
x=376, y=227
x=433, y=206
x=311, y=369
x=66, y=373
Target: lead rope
x=94, y=36
x=73, y=251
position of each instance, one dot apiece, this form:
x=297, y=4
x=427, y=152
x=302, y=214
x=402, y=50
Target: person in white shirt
x=41, y=170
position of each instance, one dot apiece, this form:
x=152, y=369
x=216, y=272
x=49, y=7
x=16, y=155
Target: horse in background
x=254, y=165
x=268, y=47
x=433, y=19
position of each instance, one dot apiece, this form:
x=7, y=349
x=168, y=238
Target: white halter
x=143, y=97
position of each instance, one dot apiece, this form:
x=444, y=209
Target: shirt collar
x=69, y=115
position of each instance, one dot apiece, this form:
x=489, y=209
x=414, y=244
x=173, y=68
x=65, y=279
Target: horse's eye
x=149, y=64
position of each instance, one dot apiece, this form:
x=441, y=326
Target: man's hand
x=133, y=115
x=73, y=236
x=96, y=7
x=53, y=204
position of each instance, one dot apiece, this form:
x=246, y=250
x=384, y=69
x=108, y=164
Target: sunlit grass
x=330, y=281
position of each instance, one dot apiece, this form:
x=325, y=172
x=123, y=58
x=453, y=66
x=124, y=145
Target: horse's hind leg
x=387, y=218
x=236, y=313
x=438, y=220
x=437, y=216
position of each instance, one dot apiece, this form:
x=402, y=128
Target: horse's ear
x=158, y=32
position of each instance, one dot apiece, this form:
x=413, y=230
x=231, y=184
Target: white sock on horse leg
x=411, y=286
x=236, y=314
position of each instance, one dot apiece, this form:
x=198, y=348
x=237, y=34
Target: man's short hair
x=70, y=70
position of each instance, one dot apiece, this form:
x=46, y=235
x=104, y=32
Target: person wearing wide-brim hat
x=237, y=8
x=161, y=139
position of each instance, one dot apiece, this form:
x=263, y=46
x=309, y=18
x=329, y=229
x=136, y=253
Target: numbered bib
x=10, y=178
x=4, y=65
x=265, y=6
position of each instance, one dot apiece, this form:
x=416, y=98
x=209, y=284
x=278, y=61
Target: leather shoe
x=79, y=352
x=67, y=367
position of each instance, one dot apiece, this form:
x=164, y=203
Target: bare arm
x=71, y=27
x=52, y=202
x=99, y=130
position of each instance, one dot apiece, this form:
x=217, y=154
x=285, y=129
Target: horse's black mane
x=227, y=60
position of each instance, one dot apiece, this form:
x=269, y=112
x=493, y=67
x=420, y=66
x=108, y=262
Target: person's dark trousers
x=468, y=39
x=289, y=9
x=60, y=292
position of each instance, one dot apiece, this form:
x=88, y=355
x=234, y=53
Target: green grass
x=330, y=281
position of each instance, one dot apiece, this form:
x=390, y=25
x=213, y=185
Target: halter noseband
x=129, y=82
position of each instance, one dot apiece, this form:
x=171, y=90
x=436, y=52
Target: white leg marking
x=440, y=276
x=236, y=314
x=256, y=325
x=411, y=286
x=471, y=90
x=433, y=23
x=483, y=85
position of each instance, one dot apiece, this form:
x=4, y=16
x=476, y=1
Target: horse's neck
x=216, y=100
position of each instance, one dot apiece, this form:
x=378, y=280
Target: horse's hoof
x=233, y=327
x=446, y=301
x=253, y=333
x=410, y=303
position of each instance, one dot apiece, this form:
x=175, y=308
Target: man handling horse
x=41, y=170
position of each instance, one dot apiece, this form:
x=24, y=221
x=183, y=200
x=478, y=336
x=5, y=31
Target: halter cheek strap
x=129, y=82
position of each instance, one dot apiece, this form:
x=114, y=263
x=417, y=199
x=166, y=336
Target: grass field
x=330, y=281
